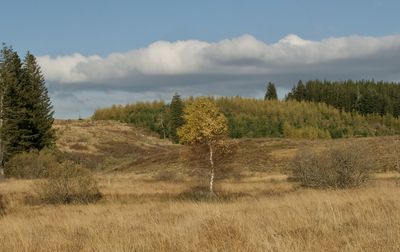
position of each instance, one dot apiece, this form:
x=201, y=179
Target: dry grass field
x=142, y=211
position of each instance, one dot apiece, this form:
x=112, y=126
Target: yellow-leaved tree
x=204, y=125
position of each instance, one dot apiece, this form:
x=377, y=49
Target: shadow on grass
x=3, y=205
x=203, y=194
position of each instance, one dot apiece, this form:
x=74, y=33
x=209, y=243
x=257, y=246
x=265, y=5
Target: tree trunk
x=211, y=169
x=163, y=128
x=1, y=138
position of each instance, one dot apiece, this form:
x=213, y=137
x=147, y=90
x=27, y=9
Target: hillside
x=258, y=118
x=109, y=145
x=114, y=146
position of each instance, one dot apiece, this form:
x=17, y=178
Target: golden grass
x=261, y=212
x=272, y=214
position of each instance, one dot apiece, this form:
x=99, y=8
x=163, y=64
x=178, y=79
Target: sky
x=98, y=53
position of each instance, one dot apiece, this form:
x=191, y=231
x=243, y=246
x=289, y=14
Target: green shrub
x=33, y=164
x=340, y=167
x=70, y=183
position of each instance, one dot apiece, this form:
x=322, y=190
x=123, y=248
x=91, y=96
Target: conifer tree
x=15, y=129
x=176, y=117
x=271, y=92
x=5, y=54
x=26, y=114
x=39, y=104
x=301, y=91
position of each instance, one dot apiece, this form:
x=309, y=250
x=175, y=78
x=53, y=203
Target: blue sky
x=88, y=33
x=103, y=27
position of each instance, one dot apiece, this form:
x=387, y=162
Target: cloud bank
x=238, y=66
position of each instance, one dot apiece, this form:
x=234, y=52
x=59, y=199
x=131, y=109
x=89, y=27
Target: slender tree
x=176, y=119
x=204, y=125
x=271, y=92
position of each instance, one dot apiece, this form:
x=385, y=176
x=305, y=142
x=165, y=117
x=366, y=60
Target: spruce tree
x=176, y=117
x=39, y=104
x=15, y=128
x=4, y=57
x=271, y=92
x=300, y=94
x=25, y=108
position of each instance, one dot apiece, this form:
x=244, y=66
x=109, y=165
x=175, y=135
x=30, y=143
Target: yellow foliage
x=204, y=123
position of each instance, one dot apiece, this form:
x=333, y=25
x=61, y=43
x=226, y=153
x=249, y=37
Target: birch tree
x=204, y=125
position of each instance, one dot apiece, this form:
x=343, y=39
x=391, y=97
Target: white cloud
x=232, y=66
x=242, y=55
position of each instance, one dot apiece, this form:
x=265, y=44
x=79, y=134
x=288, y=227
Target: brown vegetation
x=152, y=201
x=33, y=164
x=348, y=165
x=143, y=152
x=3, y=205
x=68, y=183
x=269, y=215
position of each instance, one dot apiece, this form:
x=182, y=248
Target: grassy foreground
x=145, y=210
x=269, y=214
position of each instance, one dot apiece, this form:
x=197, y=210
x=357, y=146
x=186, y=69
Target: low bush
x=33, y=164
x=70, y=183
x=339, y=167
x=3, y=205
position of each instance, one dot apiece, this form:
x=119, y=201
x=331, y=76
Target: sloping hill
x=255, y=118
x=109, y=145
x=114, y=146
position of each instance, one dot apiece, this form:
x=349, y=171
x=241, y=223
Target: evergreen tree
x=25, y=108
x=271, y=92
x=176, y=117
x=39, y=104
x=15, y=129
x=365, y=96
x=301, y=91
x=5, y=54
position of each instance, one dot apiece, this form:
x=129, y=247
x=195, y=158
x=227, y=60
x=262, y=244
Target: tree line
x=363, y=96
x=26, y=113
x=248, y=117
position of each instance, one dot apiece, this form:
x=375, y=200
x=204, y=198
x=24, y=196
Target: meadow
x=150, y=203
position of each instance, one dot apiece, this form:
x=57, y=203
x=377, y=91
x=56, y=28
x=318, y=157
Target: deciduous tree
x=204, y=125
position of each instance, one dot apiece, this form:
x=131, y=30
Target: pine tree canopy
x=364, y=96
x=271, y=92
x=26, y=110
x=39, y=104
